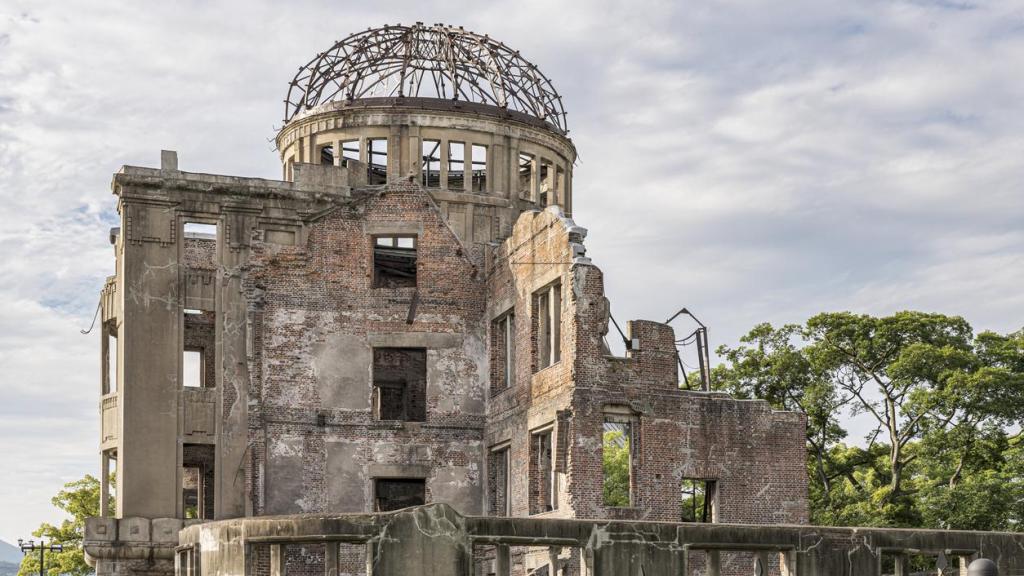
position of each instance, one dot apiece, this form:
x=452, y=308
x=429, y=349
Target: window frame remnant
x=543, y=475
x=430, y=167
x=395, y=260
x=527, y=169
x=705, y=491
x=500, y=493
x=456, y=165
x=377, y=161
x=395, y=483
x=327, y=155
x=547, y=308
x=348, y=152
x=546, y=196
x=109, y=359
x=408, y=383
x=618, y=420
x=478, y=168
x=503, y=351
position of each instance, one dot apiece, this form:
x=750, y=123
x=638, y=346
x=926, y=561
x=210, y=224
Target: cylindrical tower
x=465, y=116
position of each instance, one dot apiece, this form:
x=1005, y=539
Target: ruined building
x=409, y=316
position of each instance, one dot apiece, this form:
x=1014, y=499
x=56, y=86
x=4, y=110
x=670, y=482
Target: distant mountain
x=9, y=553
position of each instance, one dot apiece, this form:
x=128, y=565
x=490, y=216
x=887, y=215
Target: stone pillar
x=415, y=538
x=104, y=483
x=713, y=559
x=276, y=560
x=503, y=560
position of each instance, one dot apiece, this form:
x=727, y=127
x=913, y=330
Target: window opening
x=479, y=174
x=456, y=165
x=197, y=481
x=559, y=193
x=395, y=494
x=200, y=230
x=198, y=349
x=192, y=368
x=617, y=461
x=546, y=188
x=327, y=155
x=502, y=352
x=543, y=478
x=350, y=149
x=431, y=167
x=500, y=482
x=526, y=191
x=400, y=384
x=394, y=261
x=110, y=360
x=548, y=312
x=699, y=500
x=378, y=156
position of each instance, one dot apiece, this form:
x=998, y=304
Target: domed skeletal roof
x=422, y=61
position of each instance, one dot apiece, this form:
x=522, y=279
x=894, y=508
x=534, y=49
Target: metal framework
x=421, y=61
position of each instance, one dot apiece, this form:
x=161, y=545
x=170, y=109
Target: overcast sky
x=752, y=160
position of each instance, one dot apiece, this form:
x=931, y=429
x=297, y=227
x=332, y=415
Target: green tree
x=616, y=468
x=940, y=398
x=80, y=500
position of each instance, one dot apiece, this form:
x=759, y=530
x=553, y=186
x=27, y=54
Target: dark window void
x=547, y=313
x=198, y=353
x=197, y=481
x=378, y=160
x=327, y=155
x=350, y=149
x=109, y=358
x=397, y=494
x=502, y=352
x=547, y=192
x=499, y=496
x=456, y=165
x=431, y=167
x=526, y=170
x=394, y=261
x=699, y=500
x=400, y=384
x=543, y=479
x=617, y=461
x=479, y=161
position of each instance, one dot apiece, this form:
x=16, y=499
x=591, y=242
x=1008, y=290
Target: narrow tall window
x=543, y=478
x=479, y=182
x=199, y=350
x=526, y=176
x=699, y=500
x=456, y=165
x=499, y=477
x=350, y=149
x=378, y=159
x=617, y=460
x=110, y=359
x=546, y=187
x=394, y=262
x=502, y=352
x=548, y=317
x=327, y=155
x=431, y=168
x=559, y=194
x=192, y=368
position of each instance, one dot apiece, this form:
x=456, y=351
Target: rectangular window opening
x=543, y=477
x=548, y=318
x=479, y=168
x=200, y=230
x=503, y=352
x=617, y=461
x=699, y=500
x=110, y=359
x=192, y=368
x=559, y=192
x=500, y=496
x=546, y=183
x=400, y=384
x=431, y=166
x=327, y=155
x=526, y=165
x=197, y=481
x=456, y=165
x=395, y=494
x=378, y=160
x=198, y=349
x=350, y=149
x=394, y=261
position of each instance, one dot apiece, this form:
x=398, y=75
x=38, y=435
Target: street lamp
x=31, y=546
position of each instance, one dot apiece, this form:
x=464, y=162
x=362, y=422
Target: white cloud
x=749, y=159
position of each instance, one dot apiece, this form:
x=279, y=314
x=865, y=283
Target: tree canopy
x=80, y=500
x=945, y=408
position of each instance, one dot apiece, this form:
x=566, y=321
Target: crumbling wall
x=317, y=320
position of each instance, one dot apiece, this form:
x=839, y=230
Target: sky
x=751, y=160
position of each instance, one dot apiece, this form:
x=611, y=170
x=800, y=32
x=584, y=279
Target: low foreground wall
x=435, y=540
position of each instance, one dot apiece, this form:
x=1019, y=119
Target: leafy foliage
x=945, y=405
x=79, y=499
x=616, y=468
